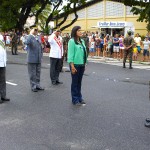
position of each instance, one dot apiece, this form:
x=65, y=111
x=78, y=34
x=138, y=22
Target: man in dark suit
x=34, y=56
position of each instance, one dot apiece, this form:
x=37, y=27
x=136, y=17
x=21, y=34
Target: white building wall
x=95, y=11
x=128, y=11
x=114, y=9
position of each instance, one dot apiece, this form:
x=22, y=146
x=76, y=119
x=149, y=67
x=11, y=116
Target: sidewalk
x=97, y=58
x=108, y=59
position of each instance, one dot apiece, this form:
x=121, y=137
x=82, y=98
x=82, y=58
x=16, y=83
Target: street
x=113, y=118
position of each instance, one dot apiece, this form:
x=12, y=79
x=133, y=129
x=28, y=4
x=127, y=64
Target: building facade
x=107, y=16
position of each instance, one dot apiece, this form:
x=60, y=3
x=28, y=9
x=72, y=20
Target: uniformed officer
x=128, y=43
x=86, y=40
x=14, y=44
x=65, y=44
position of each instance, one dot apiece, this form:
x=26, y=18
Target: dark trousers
x=61, y=65
x=76, y=84
x=34, y=70
x=2, y=82
x=55, y=65
x=126, y=53
x=14, y=48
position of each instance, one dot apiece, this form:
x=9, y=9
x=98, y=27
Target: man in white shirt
x=55, y=55
x=2, y=72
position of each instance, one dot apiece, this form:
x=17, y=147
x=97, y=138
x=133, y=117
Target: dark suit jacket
x=34, y=50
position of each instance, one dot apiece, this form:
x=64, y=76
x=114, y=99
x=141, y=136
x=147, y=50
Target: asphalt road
x=113, y=119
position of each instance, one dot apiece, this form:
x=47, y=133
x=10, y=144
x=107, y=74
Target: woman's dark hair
x=74, y=33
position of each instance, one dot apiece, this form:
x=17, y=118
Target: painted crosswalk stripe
x=11, y=83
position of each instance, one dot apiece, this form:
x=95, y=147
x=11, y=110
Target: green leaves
x=14, y=13
x=140, y=8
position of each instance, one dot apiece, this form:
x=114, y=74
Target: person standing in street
x=14, y=43
x=65, y=44
x=86, y=41
x=34, y=57
x=77, y=58
x=128, y=43
x=56, y=54
x=3, y=97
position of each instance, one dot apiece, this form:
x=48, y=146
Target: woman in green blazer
x=77, y=58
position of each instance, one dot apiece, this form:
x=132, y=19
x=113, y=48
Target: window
x=114, y=9
x=95, y=11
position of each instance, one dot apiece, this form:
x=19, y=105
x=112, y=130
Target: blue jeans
x=76, y=84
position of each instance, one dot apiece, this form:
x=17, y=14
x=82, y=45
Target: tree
x=141, y=8
x=14, y=13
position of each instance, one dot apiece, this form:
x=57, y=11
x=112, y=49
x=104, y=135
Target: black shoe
x=16, y=54
x=124, y=66
x=5, y=99
x=57, y=82
x=147, y=120
x=83, y=103
x=54, y=83
x=77, y=104
x=40, y=88
x=130, y=66
x=34, y=90
x=147, y=124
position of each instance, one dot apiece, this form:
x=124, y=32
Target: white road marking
x=11, y=83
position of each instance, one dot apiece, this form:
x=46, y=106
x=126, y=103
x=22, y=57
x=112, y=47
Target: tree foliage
x=14, y=13
x=141, y=8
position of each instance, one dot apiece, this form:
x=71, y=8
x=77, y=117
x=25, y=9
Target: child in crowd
x=121, y=46
x=97, y=45
x=146, y=45
x=116, y=46
x=110, y=45
x=92, y=47
x=135, y=52
x=106, y=38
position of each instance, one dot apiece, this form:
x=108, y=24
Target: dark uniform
x=86, y=40
x=128, y=42
x=14, y=44
x=65, y=44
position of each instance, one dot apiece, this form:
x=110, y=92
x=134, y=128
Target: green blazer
x=76, y=52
